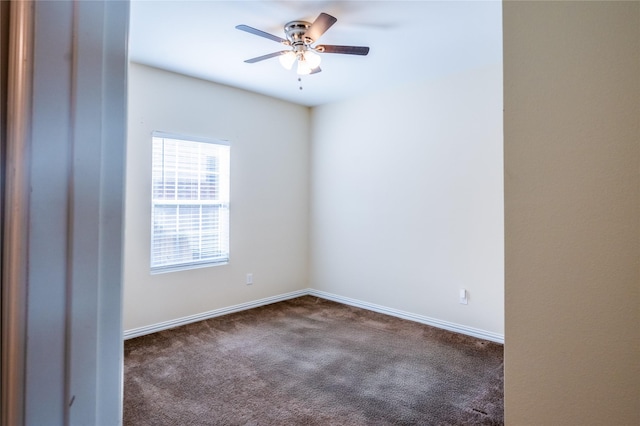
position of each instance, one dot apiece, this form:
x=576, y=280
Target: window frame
x=222, y=203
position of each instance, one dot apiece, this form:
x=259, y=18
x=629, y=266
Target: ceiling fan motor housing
x=296, y=34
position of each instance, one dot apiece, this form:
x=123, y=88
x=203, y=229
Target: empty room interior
x=320, y=212
x=391, y=196
x=377, y=183
x=369, y=184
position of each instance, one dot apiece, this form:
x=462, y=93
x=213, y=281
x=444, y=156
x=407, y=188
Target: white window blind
x=190, y=202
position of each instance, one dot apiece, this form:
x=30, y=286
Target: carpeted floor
x=309, y=361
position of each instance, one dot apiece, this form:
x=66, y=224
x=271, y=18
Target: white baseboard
x=462, y=329
x=154, y=328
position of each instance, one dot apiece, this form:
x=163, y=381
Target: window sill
x=178, y=268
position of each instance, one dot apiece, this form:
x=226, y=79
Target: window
x=190, y=202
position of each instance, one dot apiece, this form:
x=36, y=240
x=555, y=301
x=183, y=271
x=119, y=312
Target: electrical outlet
x=249, y=279
x=464, y=297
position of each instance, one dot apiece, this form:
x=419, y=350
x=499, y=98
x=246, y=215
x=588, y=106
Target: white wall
x=269, y=195
x=572, y=209
x=407, y=199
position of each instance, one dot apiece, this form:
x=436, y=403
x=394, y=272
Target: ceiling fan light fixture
x=303, y=66
x=287, y=59
x=312, y=58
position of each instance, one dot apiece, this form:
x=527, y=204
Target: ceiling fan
x=300, y=36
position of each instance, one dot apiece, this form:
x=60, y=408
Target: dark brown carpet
x=309, y=361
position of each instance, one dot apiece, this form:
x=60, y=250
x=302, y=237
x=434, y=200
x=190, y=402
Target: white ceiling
x=409, y=40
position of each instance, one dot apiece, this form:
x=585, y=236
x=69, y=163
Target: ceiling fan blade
x=320, y=25
x=260, y=33
x=263, y=57
x=316, y=70
x=347, y=50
